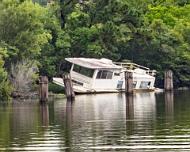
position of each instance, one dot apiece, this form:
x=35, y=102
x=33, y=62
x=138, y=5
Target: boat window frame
x=104, y=74
x=119, y=84
x=116, y=74
x=134, y=84
x=145, y=84
x=83, y=70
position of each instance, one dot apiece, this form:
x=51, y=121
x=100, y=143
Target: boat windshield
x=83, y=70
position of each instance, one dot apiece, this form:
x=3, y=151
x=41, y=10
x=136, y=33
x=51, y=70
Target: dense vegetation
x=36, y=37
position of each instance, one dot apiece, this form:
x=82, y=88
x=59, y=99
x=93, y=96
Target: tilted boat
x=90, y=75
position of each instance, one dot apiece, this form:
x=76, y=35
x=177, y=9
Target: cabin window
x=116, y=74
x=134, y=84
x=145, y=84
x=83, y=70
x=119, y=84
x=103, y=74
x=109, y=75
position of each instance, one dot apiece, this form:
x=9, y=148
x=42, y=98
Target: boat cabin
x=94, y=74
x=102, y=75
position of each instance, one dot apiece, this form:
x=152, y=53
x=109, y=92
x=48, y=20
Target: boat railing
x=132, y=66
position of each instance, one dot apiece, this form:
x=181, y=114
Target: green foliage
x=22, y=29
x=42, y=2
x=5, y=87
x=22, y=35
x=55, y=88
x=51, y=56
x=152, y=33
x=168, y=32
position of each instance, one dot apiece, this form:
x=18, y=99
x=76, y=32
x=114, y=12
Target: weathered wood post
x=168, y=80
x=128, y=82
x=43, y=88
x=68, y=87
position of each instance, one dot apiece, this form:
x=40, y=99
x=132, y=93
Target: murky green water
x=105, y=122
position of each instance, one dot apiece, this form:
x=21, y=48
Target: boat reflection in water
x=140, y=112
x=110, y=122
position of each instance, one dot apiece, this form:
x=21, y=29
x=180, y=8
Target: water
x=104, y=122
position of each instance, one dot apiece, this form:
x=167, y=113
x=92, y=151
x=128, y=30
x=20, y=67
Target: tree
x=5, y=87
x=51, y=57
x=166, y=31
x=22, y=31
x=148, y=32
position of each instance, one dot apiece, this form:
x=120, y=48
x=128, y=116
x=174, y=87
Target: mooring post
x=43, y=88
x=168, y=80
x=68, y=87
x=128, y=82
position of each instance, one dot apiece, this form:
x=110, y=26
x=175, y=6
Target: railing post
x=43, y=88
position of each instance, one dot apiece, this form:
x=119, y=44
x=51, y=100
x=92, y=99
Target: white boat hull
x=83, y=90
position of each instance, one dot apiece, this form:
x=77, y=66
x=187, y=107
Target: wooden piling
x=68, y=87
x=43, y=88
x=168, y=80
x=128, y=82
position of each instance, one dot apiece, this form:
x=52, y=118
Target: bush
x=5, y=87
x=55, y=88
x=5, y=90
x=23, y=76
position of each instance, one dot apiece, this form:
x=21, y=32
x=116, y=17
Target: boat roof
x=93, y=63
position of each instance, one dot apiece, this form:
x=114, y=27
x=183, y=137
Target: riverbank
x=35, y=96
